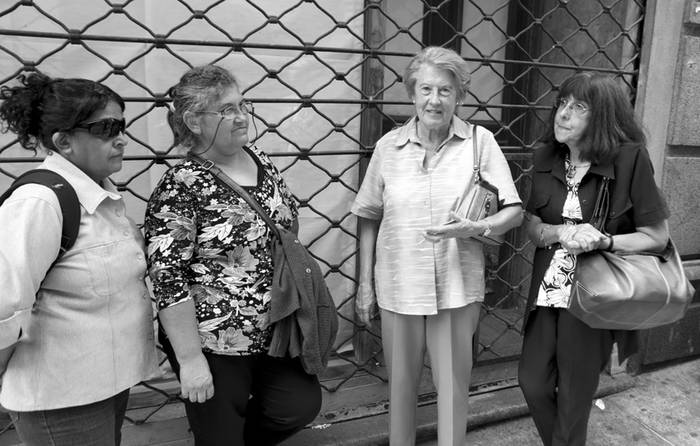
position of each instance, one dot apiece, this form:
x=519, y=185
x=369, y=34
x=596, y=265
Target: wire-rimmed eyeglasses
x=230, y=111
x=578, y=108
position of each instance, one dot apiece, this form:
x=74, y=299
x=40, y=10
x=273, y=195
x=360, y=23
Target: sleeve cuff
x=11, y=328
x=513, y=203
x=366, y=212
x=162, y=305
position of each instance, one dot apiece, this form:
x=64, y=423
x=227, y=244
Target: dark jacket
x=301, y=307
x=635, y=201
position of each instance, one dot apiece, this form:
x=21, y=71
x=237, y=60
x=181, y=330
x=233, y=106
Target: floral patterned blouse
x=205, y=243
x=555, y=289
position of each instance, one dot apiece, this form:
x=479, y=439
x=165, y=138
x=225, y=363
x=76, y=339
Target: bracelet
x=610, y=246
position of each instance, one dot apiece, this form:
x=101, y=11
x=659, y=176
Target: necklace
x=571, y=169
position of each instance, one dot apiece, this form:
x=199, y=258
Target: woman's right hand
x=366, y=302
x=583, y=238
x=196, y=381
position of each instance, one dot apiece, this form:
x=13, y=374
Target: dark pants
x=559, y=372
x=95, y=424
x=258, y=401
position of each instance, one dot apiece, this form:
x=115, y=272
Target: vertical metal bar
x=366, y=345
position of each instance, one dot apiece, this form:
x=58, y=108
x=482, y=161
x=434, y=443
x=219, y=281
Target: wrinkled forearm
x=180, y=324
x=544, y=234
x=368, y=230
x=504, y=220
x=646, y=238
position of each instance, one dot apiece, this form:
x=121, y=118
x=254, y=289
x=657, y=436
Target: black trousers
x=258, y=400
x=559, y=372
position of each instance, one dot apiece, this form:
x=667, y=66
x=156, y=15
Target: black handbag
x=628, y=291
x=480, y=200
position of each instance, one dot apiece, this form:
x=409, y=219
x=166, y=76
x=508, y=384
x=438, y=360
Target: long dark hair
x=612, y=124
x=41, y=106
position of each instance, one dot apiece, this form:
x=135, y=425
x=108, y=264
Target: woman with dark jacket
x=593, y=134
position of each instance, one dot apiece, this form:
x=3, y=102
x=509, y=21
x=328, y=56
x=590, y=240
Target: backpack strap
x=67, y=199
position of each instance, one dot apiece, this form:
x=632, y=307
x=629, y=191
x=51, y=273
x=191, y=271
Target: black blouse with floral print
x=205, y=243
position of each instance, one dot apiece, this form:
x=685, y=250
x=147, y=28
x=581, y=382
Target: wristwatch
x=487, y=231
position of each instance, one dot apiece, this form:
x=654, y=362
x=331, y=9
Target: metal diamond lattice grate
x=325, y=81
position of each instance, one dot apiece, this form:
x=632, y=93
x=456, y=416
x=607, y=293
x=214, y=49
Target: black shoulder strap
x=221, y=176
x=602, y=206
x=67, y=198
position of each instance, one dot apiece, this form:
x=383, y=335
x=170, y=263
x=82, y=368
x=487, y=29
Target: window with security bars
x=324, y=78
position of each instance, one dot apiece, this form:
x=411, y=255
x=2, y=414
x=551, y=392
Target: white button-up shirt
x=414, y=275
x=83, y=329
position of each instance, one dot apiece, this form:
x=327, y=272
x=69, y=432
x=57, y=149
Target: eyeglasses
x=443, y=92
x=230, y=111
x=579, y=108
x=104, y=128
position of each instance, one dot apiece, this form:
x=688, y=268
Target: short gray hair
x=443, y=58
x=196, y=90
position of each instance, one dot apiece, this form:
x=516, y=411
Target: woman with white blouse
x=419, y=265
x=76, y=327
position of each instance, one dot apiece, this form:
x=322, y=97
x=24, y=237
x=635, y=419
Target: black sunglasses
x=104, y=128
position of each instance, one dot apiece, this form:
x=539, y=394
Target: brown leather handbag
x=628, y=291
x=480, y=200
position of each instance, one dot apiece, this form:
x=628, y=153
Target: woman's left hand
x=457, y=227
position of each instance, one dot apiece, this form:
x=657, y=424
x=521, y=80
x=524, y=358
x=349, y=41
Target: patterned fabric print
x=205, y=243
x=555, y=288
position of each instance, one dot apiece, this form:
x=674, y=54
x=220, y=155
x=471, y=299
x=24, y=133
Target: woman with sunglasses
x=75, y=327
x=210, y=263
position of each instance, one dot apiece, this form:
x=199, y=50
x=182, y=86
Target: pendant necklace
x=571, y=170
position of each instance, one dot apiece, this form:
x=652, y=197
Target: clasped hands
x=582, y=238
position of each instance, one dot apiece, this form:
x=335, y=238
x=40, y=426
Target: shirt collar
x=90, y=194
x=553, y=161
x=409, y=131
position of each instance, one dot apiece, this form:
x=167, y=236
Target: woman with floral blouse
x=211, y=266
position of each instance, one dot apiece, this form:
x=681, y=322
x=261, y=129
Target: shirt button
x=296, y=241
x=126, y=233
x=308, y=270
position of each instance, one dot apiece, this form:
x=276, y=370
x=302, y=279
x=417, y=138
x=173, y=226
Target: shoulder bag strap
x=602, y=206
x=221, y=176
x=477, y=157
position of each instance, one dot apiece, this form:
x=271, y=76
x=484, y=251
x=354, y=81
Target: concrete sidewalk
x=659, y=407
x=663, y=408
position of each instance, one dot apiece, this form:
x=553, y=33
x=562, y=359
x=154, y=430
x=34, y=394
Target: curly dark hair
x=612, y=124
x=40, y=106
